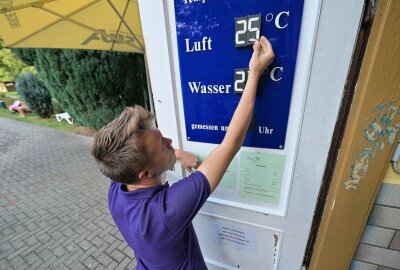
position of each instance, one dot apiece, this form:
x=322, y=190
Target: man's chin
x=173, y=163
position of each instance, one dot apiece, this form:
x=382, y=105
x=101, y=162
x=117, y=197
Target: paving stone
x=102, y=224
x=31, y=226
x=385, y=268
x=4, y=265
x=36, y=265
x=112, y=265
x=85, y=245
x=97, y=241
x=377, y=255
x=17, y=252
x=100, y=250
x=122, y=246
x=72, y=248
x=76, y=265
x=395, y=244
x=104, y=259
x=72, y=258
x=358, y=265
x=123, y=265
x=383, y=216
x=90, y=263
x=32, y=258
x=44, y=237
x=389, y=195
x=87, y=253
x=52, y=217
x=5, y=246
x=17, y=261
x=59, y=251
x=131, y=265
x=113, y=246
x=48, y=262
x=45, y=254
x=129, y=252
x=30, y=241
x=377, y=236
x=56, y=234
x=56, y=265
x=117, y=255
x=23, y=266
x=109, y=238
x=68, y=232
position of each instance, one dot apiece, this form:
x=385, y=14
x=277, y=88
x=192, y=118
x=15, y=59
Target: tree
x=26, y=55
x=93, y=86
x=35, y=94
x=10, y=65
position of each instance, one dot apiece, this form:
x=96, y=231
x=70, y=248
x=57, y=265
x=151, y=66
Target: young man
x=156, y=219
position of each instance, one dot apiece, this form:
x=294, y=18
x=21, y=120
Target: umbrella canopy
x=76, y=24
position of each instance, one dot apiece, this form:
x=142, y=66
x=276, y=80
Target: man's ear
x=145, y=175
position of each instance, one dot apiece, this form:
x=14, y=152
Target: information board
x=233, y=244
x=214, y=41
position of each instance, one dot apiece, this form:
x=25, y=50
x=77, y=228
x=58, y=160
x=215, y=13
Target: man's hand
x=188, y=160
x=263, y=55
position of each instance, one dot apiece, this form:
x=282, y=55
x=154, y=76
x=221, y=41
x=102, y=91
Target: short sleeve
x=181, y=202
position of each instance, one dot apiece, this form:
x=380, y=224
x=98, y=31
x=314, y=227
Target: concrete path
x=53, y=203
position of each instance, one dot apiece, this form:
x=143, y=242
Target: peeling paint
x=276, y=248
x=377, y=134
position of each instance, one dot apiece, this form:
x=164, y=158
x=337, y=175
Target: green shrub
x=93, y=86
x=56, y=106
x=35, y=94
x=26, y=55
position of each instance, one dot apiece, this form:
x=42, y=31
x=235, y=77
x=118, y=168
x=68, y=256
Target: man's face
x=160, y=151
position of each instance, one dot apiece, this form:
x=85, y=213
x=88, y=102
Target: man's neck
x=152, y=182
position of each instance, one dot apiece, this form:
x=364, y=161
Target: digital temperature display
x=214, y=41
x=247, y=30
x=240, y=80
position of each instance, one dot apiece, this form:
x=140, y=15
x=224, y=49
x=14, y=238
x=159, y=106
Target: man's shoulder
x=114, y=187
x=194, y=182
x=195, y=176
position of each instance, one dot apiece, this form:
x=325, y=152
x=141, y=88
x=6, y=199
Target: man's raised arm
x=216, y=163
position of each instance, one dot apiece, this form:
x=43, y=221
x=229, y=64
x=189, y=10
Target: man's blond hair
x=117, y=147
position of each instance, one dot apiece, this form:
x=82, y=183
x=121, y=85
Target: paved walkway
x=53, y=203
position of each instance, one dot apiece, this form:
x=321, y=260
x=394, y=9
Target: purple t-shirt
x=157, y=222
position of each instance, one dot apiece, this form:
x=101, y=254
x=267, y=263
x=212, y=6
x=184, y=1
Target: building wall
x=379, y=248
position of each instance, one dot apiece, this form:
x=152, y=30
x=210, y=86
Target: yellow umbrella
x=112, y=25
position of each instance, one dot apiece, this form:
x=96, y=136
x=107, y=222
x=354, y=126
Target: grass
x=46, y=122
x=9, y=98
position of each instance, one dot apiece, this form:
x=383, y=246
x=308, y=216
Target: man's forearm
x=241, y=118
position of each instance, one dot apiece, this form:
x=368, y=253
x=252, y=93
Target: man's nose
x=169, y=141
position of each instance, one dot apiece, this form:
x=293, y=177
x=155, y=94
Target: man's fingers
x=256, y=47
x=265, y=44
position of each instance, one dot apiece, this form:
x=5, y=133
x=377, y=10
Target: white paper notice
x=233, y=235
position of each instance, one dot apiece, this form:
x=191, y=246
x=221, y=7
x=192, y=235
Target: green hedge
x=35, y=94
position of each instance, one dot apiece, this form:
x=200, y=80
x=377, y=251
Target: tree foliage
x=93, y=86
x=26, y=55
x=35, y=94
x=10, y=65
